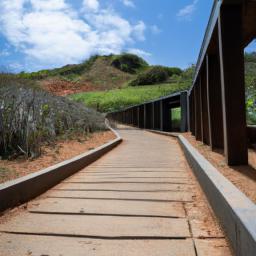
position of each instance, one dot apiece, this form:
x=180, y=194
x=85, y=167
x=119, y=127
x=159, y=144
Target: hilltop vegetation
x=129, y=63
x=155, y=75
x=116, y=99
x=100, y=73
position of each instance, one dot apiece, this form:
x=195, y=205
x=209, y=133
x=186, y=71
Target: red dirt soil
x=62, y=150
x=243, y=177
x=63, y=88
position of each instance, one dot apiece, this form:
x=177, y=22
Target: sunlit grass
x=113, y=100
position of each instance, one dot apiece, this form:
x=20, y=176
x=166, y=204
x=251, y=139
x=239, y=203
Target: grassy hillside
x=99, y=73
x=102, y=72
x=117, y=99
x=103, y=76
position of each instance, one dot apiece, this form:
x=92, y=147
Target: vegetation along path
x=139, y=199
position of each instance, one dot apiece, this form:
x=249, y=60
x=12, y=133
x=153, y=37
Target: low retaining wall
x=236, y=212
x=170, y=134
x=21, y=190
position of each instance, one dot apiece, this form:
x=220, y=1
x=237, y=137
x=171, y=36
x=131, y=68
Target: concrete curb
x=21, y=190
x=170, y=134
x=236, y=212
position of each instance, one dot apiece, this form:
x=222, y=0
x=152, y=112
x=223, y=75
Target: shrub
x=154, y=75
x=30, y=116
x=173, y=71
x=129, y=63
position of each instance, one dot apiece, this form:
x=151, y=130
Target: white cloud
x=51, y=33
x=139, y=52
x=155, y=29
x=128, y=3
x=187, y=11
x=139, y=30
x=91, y=5
x=48, y=5
x=4, y=53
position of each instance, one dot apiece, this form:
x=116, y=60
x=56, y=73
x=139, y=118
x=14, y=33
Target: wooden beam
x=232, y=84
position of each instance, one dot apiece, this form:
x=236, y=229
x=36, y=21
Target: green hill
x=102, y=72
x=115, y=81
x=116, y=99
x=106, y=72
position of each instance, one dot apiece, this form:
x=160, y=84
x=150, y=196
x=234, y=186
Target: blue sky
x=37, y=34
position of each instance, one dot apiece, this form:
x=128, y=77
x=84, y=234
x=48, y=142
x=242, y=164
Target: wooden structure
x=155, y=115
x=216, y=101
x=217, y=97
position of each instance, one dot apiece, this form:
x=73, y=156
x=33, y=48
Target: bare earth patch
x=63, y=88
x=62, y=150
x=243, y=177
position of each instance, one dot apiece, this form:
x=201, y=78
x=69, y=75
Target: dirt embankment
x=243, y=177
x=60, y=151
x=63, y=88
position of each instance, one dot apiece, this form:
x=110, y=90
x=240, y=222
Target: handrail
x=148, y=102
x=207, y=37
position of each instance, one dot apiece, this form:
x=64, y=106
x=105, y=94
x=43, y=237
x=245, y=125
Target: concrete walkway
x=139, y=199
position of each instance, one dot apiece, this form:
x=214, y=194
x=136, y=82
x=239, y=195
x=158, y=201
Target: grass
x=176, y=118
x=113, y=100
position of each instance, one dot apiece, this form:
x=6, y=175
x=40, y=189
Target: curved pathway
x=139, y=199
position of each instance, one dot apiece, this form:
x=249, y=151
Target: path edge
x=235, y=211
x=23, y=189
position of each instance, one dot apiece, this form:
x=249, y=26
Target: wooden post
x=215, y=114
x=157, y=115
x=198, y=131
x=184, y=111
x=204, y=106
x=153, y=115
x=232, y=83
x=161, y=116
x=138, y=116
x=145, y=116
x=192, y=111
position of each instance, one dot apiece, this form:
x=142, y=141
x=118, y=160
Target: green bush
x=154, y=75
x=173, y=71
x=129, y=63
